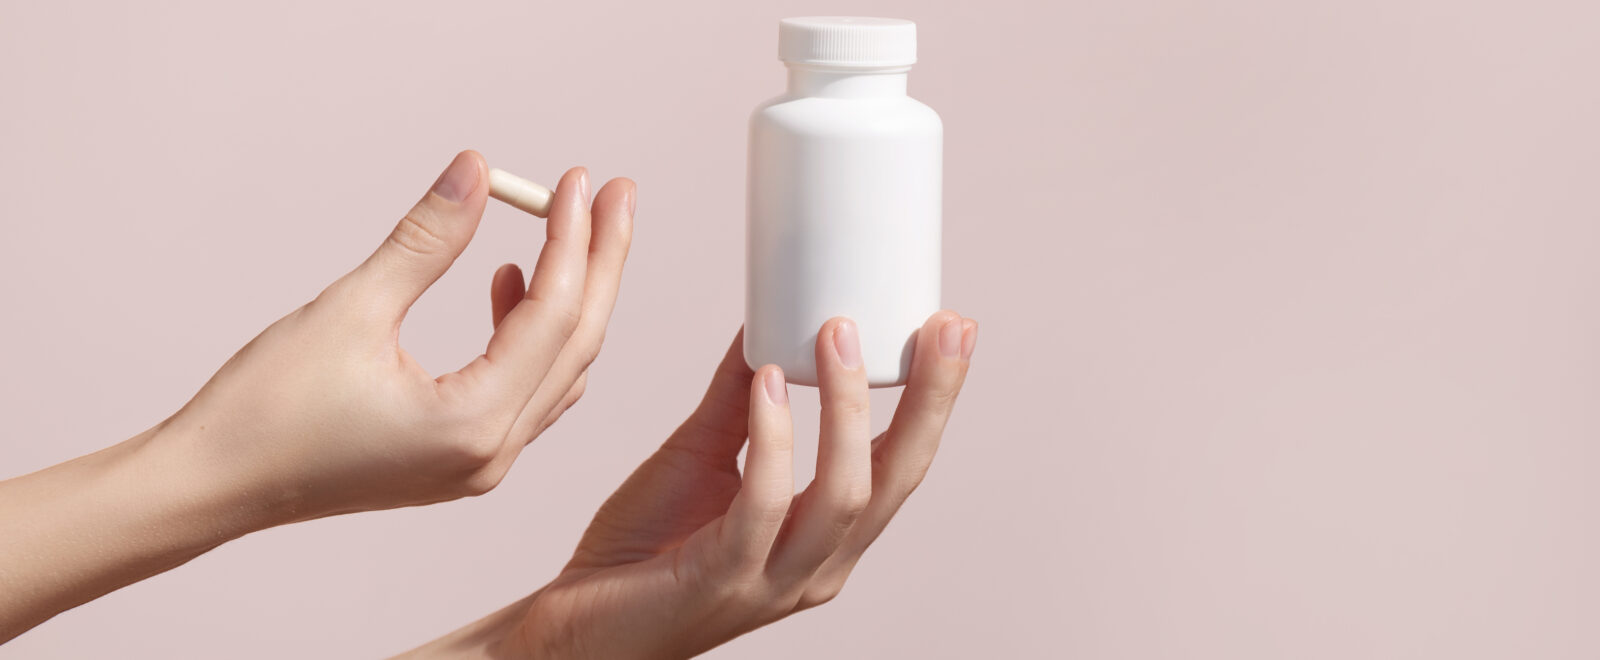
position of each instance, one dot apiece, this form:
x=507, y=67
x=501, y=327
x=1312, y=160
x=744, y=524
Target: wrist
x=498, y=635
x=206, y=493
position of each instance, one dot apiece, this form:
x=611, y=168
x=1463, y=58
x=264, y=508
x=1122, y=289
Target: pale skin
x=324, y=414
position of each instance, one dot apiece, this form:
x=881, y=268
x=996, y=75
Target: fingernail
x=776, y=390
x=633, y=200
x=969, y=338
x=950, y=338
x=583, y=183
x=457, y=180
x=848, y=343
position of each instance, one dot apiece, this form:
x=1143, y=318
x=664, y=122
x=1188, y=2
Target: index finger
x=531, y=335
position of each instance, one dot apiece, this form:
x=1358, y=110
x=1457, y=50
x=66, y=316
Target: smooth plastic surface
x=844, y=197
x=519, y=192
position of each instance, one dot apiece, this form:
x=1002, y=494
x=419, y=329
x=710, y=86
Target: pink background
x=1291, y=314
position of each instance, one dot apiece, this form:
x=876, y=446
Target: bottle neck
x=835, y=83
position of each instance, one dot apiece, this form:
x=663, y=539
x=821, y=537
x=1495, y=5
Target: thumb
x=428, y=239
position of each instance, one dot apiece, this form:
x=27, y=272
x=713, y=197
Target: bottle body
x=843, y=219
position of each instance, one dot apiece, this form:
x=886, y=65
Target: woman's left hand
x=690, y=552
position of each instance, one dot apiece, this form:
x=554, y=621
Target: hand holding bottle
x=690, y=552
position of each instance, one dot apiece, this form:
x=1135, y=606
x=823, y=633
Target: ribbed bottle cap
x=847, y=41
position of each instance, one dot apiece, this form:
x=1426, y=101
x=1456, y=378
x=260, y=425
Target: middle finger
x=842, y=488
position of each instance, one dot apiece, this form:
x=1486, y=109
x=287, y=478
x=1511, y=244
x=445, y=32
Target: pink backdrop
x=1291, y=313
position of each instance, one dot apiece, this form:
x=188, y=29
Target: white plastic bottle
x=843, y=199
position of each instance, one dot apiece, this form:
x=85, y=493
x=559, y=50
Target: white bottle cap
x=851, y=42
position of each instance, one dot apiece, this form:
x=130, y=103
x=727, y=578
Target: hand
x=690, y=553
x=325, y=413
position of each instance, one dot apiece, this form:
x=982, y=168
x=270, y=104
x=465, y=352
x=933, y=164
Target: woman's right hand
x=325, y=413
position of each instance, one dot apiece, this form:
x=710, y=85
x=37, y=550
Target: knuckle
x=843, y=508
x=850, y=406
x=773, y=514
x=477, y=451
x=745, y=557
x=901, y=476
x=820, y=594
x=414, y=236
x=855, y=500
x=482, y=481
x=746, y=595
x=733, y=580
x=944, y=398
x=781, y=441
x=567, y=318
x=763, y=600
x=587, y=354
x=744, y=561
x=812, y=598
x=903, y=486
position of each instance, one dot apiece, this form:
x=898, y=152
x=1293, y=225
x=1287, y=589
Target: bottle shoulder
x=811, y=114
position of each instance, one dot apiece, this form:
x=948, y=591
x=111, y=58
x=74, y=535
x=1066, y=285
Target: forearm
x=78, y=530
x=494, y=637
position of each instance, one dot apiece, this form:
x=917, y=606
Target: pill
x=519, y=192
